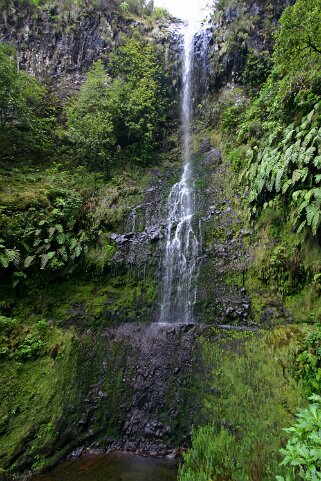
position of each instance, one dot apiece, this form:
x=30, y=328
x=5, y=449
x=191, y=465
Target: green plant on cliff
x=281, y=128
x=288, y=165
x=46, y=225
x=119, y=118
x=26, y=119
x=141, y=113
x=90, y=119
x=252, y=394
x=307, y=362
x=298, y=44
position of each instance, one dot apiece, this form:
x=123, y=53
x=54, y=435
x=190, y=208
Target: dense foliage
x=281, y=128
x=68, y=8
x=302, y=453
x=53, y=214
x=270, y=131
x=26, y=118
x=250, y=401
x=120, y=117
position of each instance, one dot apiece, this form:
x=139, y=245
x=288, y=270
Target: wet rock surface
x=161, y=412
x=157, y=368
x=222, y=297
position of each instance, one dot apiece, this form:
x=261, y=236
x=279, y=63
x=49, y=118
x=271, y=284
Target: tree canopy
x=25, y=119
x=115, y=117
x=298, y=42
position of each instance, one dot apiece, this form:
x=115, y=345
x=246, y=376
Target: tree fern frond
x=301, y=226
x=311, y=211
x=316, y=222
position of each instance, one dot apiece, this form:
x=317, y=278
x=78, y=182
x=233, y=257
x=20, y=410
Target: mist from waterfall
x=180, y=261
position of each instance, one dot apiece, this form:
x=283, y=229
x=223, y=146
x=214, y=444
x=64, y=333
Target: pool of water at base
x=114, y=467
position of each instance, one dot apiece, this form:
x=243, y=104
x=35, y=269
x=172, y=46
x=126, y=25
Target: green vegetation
x=45, y=411
x=72, y=8
x=282, y=127
x=119, y=120
x=302, y=453
x=270, y=132
x=55, y=213
x=70, y=172
x=252, y=396
x=26, y=117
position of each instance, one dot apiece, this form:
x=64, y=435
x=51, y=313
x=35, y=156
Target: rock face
x=124, y=388
x=161, y=412
x=247, y=26
x=59, y=47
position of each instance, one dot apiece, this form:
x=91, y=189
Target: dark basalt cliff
x=237, y=31
x=59, y=48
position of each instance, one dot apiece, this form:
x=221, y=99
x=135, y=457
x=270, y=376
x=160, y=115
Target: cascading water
x=180, y=261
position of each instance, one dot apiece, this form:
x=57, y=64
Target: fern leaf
x=309, y=154
x=286, y=185
x=61, y=238
x=316, y=222
x=302, y=133
x=28, y=261
x=310, y=115
x=303, y=206
x=63, y=253
x=44, y=261
x=297, y=194
x=301, y=226
x=288, y=136
x=317, y=194
x=278, y=179
x=51, y=232
x=4, y=260
x=311, y=211
x=13, y=256
x=308, y=195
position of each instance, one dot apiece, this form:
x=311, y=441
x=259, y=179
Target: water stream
x=180, y=260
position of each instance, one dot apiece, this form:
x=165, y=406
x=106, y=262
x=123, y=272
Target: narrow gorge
x=160, y=299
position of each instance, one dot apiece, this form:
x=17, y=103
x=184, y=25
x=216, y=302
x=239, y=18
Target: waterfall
x=180, y=260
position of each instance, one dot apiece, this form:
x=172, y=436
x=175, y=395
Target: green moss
x=31, y=402
x=52, y=404
x=251, y=397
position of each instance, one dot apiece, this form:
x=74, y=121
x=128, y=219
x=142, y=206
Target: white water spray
x=180, y=262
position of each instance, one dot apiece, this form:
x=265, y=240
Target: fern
x=311, y=211
x=278, y=179
x=301, y=226
x=317, y=194
x=288, y=137
x=44, y=260
x=286, y=186
x=316, y=221
x=61, y=239
x=63, y=253
x=28, y=261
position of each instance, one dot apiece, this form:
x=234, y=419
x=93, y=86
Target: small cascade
x=180, y=261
